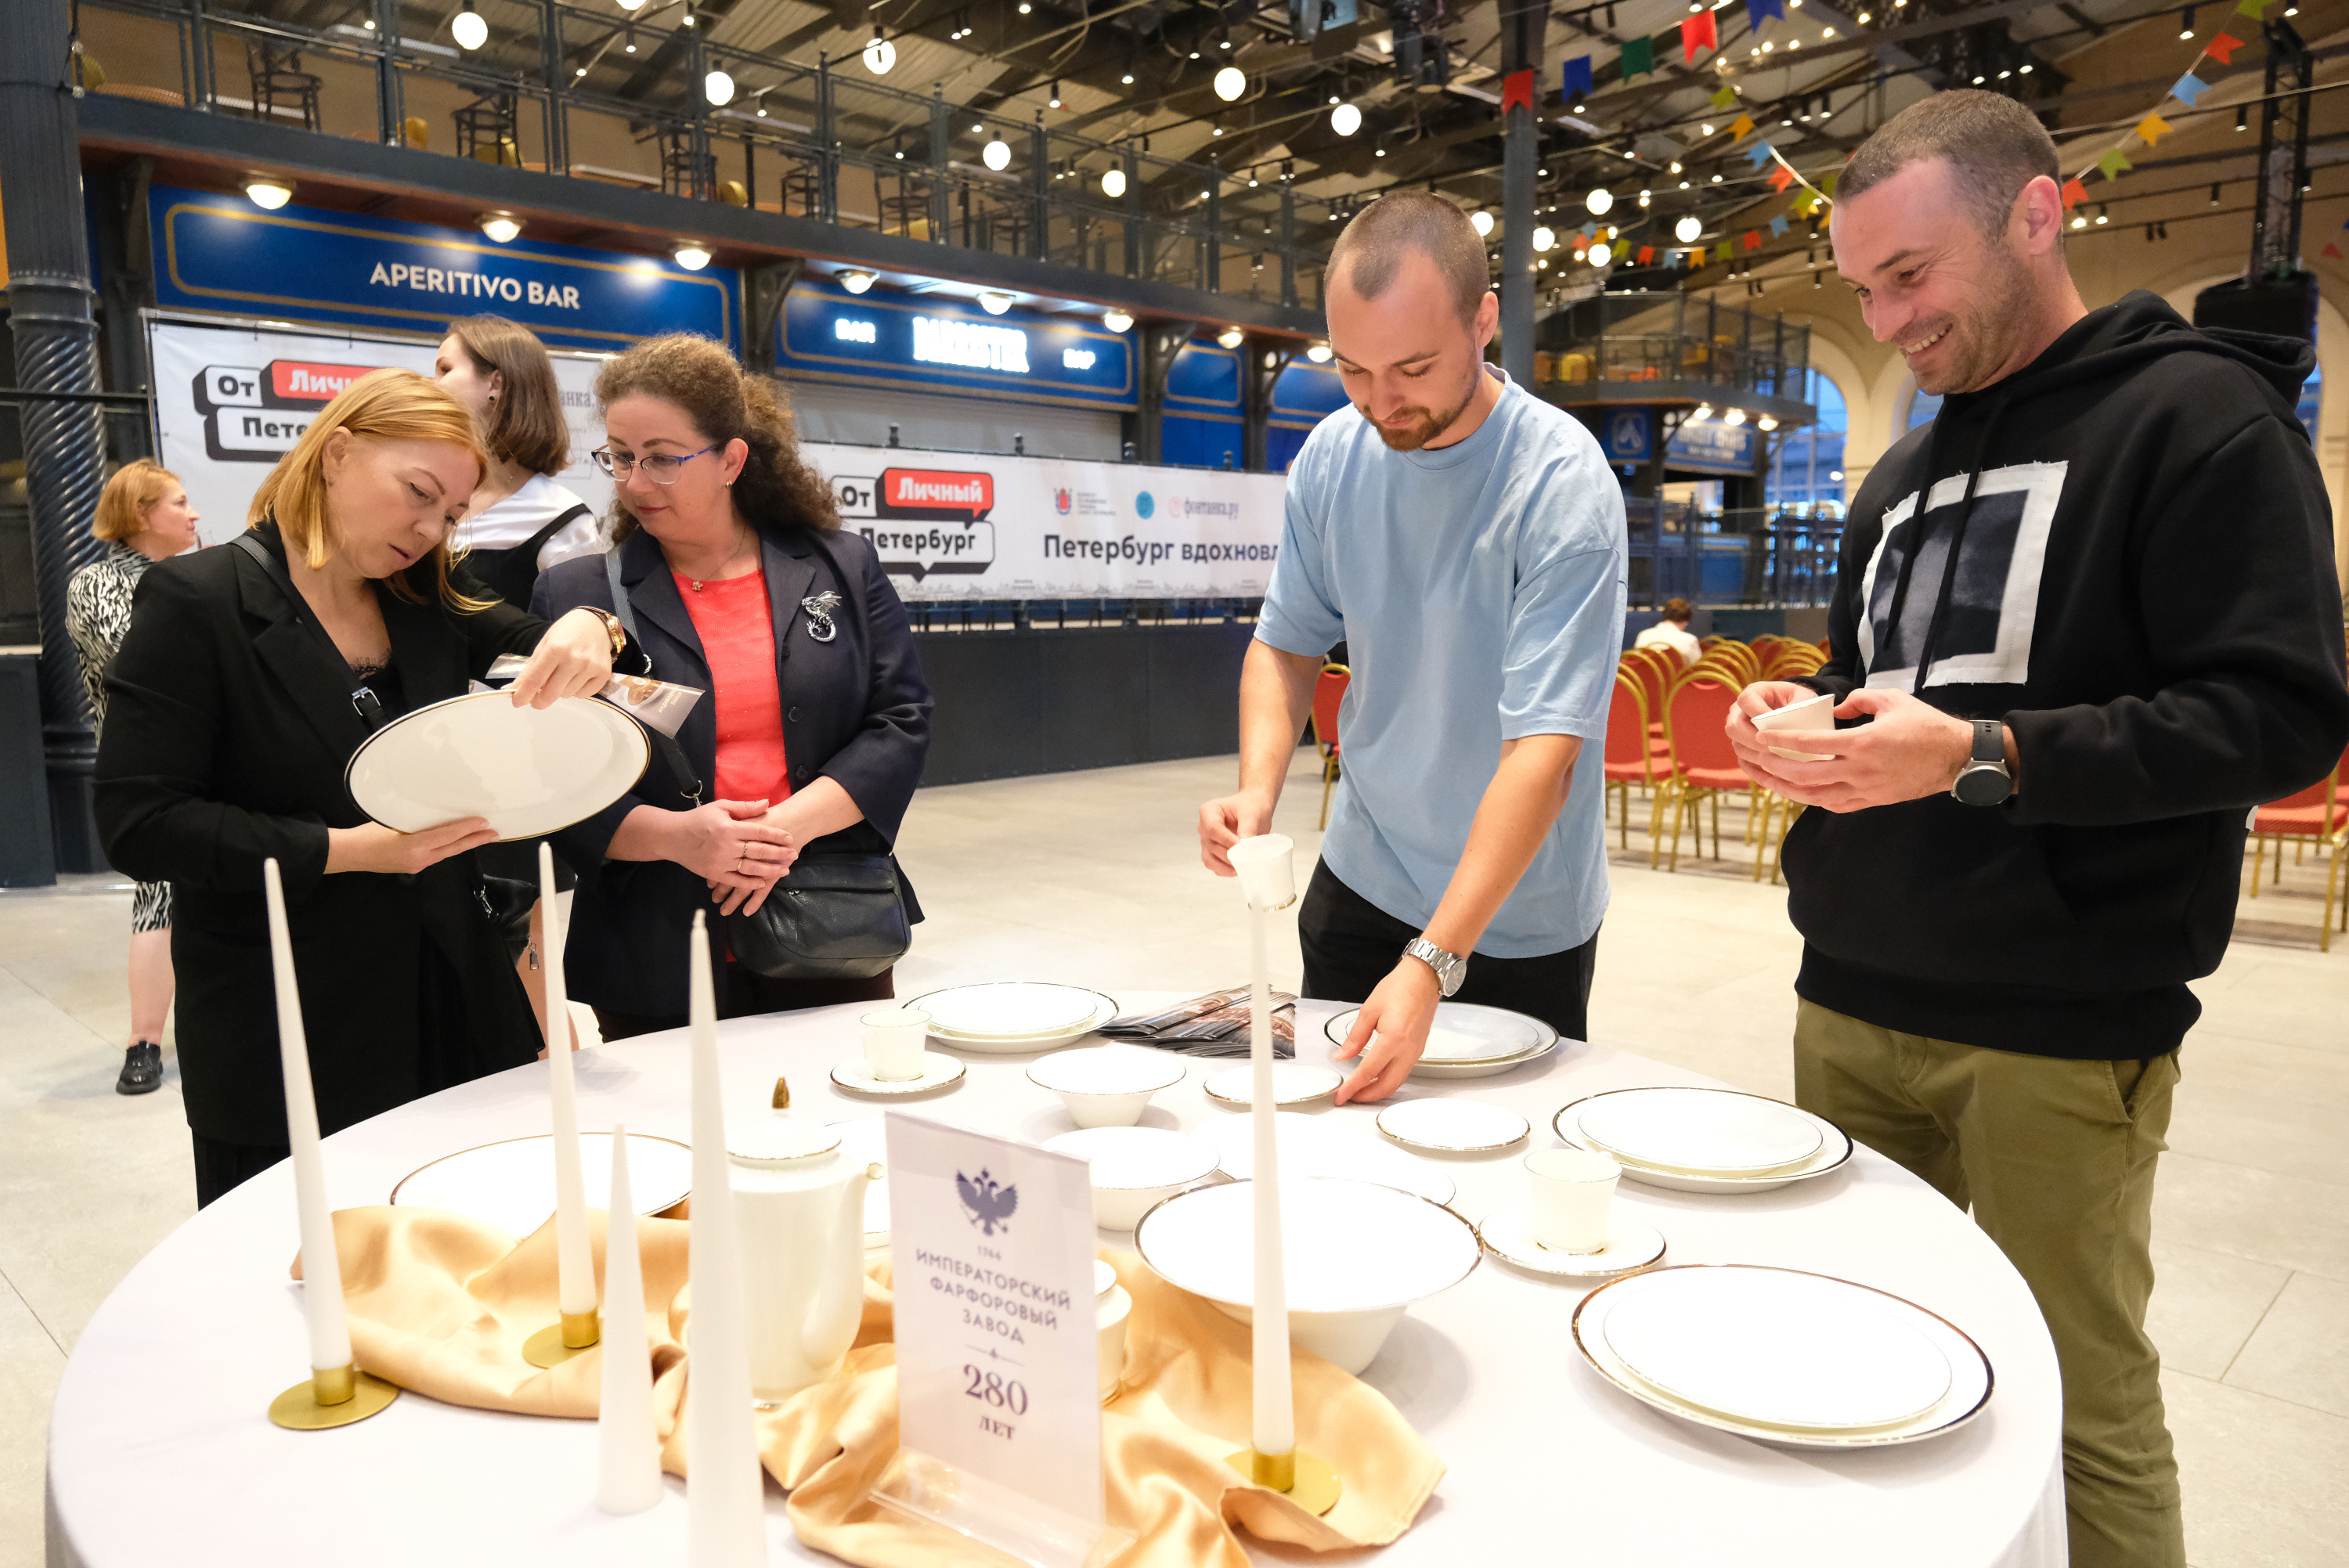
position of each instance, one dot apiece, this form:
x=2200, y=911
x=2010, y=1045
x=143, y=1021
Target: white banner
x=232, y=398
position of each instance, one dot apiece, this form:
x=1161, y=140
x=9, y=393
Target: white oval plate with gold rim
x=529, y=770
x=1972, y=1380
x=1452, y=1125
x=1467, y=1035
x=1835, y=1149
x=1013, y=1018
x=511, y=1184
x=1701, y=1131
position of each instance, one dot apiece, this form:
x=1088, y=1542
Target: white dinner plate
x=862, y=1142
x=1972, y=1380
x=1324, y=1145
x=1467, y=1034
x=1835, y=1149
x=938, y=1070
x=1293, y=1083
x=952, y=1010
x=1508, y=1234
x=529, y=770
x=511, y=1184
x=1349, y=1247
x=1781, y=1348
x=1701, y=1131
x=1452, y=1125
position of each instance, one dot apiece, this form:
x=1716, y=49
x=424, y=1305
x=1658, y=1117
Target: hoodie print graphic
x=1986, y=631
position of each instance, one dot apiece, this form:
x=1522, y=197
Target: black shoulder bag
x=830, y=917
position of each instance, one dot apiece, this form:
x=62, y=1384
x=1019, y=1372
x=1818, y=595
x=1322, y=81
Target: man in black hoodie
x=2083, y=622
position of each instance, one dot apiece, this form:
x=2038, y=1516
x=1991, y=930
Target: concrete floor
x=1094, y=878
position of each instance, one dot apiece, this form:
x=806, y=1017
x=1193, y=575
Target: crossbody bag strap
x=364, y=702
x=672, y=754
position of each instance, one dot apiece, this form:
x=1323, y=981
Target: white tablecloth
x=160, y=1451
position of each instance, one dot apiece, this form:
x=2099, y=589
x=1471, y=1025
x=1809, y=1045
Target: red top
x=737, y=635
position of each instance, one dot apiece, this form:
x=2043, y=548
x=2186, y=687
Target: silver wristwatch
x=1450, y=968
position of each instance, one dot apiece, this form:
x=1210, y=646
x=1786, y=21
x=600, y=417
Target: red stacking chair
x=1702, y=765
x=1329, y=691
x=1632, y=756
x=2317, y=814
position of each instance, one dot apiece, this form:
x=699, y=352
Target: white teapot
x=800, y=1206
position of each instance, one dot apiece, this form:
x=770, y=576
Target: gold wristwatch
x=611, y=626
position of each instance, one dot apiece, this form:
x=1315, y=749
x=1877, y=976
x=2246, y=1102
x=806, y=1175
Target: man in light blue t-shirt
x=1465, y=539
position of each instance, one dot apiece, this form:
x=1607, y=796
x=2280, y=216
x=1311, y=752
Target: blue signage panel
x=1627, y=434
x=945, y=343
x=224, y=253
x=1714, y=447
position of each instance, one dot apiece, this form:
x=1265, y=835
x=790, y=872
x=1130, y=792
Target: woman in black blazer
x=812, y=737
x=250, y=675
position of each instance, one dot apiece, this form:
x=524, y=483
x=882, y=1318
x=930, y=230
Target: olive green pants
x=2055, y=1158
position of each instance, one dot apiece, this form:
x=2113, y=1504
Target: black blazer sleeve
x=881, y=765
x=156, y=758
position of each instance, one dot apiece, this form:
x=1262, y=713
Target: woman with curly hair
x=730, y=550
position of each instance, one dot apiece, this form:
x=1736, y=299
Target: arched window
x=2312, y=399
x=1806, y=469
x=1922, y=408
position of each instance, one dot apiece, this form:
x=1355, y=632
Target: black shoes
x=143, y=1069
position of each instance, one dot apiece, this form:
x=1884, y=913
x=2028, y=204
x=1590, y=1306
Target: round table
x=159, y=1450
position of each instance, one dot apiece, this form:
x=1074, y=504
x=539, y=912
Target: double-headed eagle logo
x=988, y=1205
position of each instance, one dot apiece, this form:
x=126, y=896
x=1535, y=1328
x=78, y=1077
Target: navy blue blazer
x=856, y=709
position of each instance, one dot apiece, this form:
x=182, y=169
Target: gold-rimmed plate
x=510, y=1184
x=530, y=771
x=1835, y=1151
x=1452, y=1125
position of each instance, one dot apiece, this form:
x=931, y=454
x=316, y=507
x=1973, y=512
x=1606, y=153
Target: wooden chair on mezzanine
x=1329, y=692
x=280, y=82
x=2318, y=814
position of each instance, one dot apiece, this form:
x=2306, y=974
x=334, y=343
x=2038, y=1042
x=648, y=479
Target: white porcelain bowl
x=1357, y=1255
x=1107, y=1085
x=1134, y=1168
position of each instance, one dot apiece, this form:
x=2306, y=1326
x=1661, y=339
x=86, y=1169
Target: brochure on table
x=992, y=1247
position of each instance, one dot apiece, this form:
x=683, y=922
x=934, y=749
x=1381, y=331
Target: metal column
x=49, y=303
x=1521, y=49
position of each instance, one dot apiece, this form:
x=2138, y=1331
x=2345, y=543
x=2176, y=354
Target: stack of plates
x=1783, y=1357
x=1468, y=1041
x=1013, y=1018
x=1705, y=1140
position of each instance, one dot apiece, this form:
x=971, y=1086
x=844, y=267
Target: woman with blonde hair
x=731, y=558
x=519, y=522
x=144, y=516
x=251, y=675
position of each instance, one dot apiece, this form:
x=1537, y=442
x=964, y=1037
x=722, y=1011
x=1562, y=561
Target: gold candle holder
x=1306, y=1480
x=559, y=1342
x=335, y=1397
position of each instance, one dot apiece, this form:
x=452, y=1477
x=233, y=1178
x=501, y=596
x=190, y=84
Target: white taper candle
x=628, y=1480
x=726, y=1506
x=574, y=1260
x=1276, y=1415
x=322, y=1270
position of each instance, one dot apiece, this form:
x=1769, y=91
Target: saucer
x=1293, y=1083
x=1452, y=1125
x=938, y=1070
x=1632, y=1246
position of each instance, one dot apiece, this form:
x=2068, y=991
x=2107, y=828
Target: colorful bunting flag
x=2222, y=49
x=1777, y=223
x=2152, y=127
x=1758, y=154
x=1828, y=184
x=2251, y=8
x=2189, y=88
x=1647, y=254
x=1780, y=177
x=2111, y=164
x=1697, y=33
x=1739, y=127
x=1724, y=97
x=1577, y=74
x=1639, y=58
x=1753, y=239
x=1724, y=253
x=2074, y=193
x=2331, y=250
x=1755, y=10
x=1517, y=87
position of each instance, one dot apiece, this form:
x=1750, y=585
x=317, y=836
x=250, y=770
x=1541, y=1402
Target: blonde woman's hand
x=574, y=659
x=388, y=853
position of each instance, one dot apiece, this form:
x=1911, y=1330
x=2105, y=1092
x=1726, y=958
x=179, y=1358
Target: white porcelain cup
x=893, y=1043
x=1573, y=1190
x=1811, y=713
x=1267, y=869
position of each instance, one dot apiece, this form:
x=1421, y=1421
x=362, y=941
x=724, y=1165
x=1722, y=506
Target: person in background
x=519, y=522
x=1466, y=540
x=743, y=584
x=1671, y=631
x=144, y=516
x=251, y=675
x=2083, y=622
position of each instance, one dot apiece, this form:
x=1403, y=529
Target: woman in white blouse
x=519, y=522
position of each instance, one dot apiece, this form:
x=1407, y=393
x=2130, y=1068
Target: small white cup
x=1811, y=713
x=1266, y=864
x=1573, y=1190
x=894, y=1041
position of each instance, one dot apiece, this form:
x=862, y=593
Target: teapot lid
x=781, y=1137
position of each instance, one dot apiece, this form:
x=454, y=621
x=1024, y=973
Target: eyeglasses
x=660, y=468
